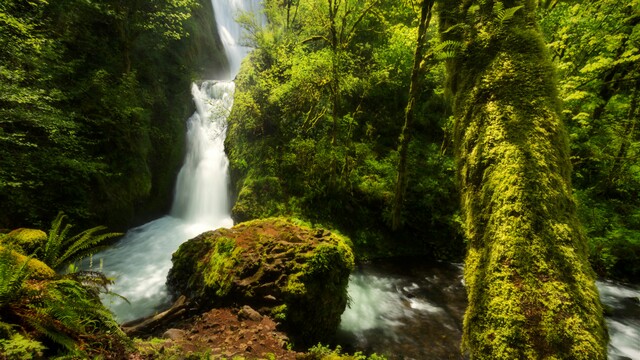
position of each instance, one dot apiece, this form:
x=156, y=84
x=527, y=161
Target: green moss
x=531, y=291
x=304, y=272
x=37, y=269
x=27, y=240
x=219, y=271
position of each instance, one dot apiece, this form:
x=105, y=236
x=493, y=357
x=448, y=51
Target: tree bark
x=405, y=136
x=531, y=290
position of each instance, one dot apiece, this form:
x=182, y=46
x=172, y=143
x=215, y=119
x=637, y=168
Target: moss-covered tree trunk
x=530, y=287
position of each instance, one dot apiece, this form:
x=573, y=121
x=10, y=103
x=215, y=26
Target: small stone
x=270, y=298
x=247, y=313
x=174, y=334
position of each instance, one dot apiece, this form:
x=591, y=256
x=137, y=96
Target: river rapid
x=409, y=309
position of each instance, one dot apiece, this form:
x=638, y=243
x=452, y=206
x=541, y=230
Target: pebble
x=174, y=334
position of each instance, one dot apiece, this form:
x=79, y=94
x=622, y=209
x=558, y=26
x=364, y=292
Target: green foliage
x=61, y=248
x=64, y=315
x=596, y=50
x=323, y=352
x=19, y=347
x=315, y=125
x=12, y=278
x=92, y=101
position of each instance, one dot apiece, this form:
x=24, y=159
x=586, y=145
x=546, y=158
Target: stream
x=409, y=309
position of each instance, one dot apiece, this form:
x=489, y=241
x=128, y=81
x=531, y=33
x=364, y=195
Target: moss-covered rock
x=25, y=240
x=295, y=273
x=37, y=269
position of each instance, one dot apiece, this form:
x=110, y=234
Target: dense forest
x=319, y=126
x=93, y=102
x=502, y=133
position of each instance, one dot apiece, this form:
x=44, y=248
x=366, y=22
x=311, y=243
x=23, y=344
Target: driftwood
x=153, y=323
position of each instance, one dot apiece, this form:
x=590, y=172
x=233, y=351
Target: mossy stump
x=294, y=273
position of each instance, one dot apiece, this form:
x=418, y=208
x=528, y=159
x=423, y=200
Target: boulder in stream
x=292, y=272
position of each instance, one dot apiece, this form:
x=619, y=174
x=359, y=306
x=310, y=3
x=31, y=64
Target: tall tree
x=414, y=90
x=531, y=290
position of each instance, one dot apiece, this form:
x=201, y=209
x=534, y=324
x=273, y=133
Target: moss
x=27, y=240
x=37, y=269
x=218, y=272
x=531, y=291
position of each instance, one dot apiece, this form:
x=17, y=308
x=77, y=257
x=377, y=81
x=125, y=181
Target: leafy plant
x=60, y=249
x=19, y=347
x=12, y=278
x=323, y=352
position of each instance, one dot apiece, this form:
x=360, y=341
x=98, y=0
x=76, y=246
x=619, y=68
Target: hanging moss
x=531, y=290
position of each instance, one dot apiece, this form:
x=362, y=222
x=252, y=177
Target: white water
x=226, y=12
x=623, y=320
x=417, y=313
x=141, y=261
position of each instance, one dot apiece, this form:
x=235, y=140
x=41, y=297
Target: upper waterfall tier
x=231, y=32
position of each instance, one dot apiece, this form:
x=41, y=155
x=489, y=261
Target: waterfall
x=140, y=262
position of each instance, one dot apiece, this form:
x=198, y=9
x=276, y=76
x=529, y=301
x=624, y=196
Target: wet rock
x=174, y=334
x=247, y=313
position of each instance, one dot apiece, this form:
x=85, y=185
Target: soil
x=223, y=333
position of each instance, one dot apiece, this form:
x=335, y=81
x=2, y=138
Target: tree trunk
x=405, y=136
x=530, y=287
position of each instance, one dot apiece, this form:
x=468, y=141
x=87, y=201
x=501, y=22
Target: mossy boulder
x=37, y=269
x=293, y=272
x=27, y=241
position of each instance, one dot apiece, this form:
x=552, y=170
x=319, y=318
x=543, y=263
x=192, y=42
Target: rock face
x=294, y=273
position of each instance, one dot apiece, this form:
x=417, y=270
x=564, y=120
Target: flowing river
x=408, y=309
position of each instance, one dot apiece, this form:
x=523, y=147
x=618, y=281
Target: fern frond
x=84, y=244
x=509, y=13
x=498, y=10
x=62, y=249
x=12, y=278
x=472, y=11
x=447, y=49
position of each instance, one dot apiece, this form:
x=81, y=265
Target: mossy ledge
x=283, y=268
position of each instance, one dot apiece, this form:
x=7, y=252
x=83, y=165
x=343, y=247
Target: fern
x=447, y=49
x=19, y=347
x=12, y=278
x=504, y=15
x=61, y=249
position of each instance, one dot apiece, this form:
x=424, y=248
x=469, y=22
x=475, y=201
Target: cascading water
x=141, y=260
x=407, y=309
